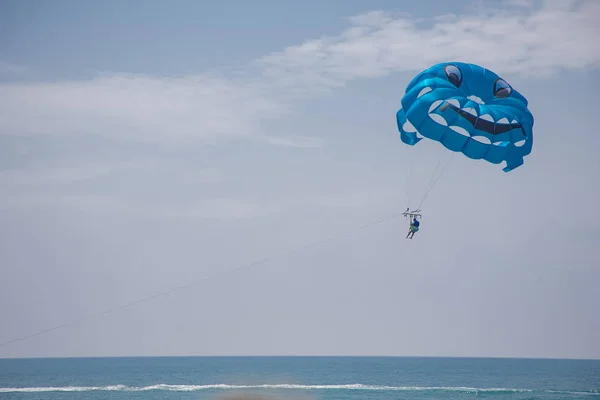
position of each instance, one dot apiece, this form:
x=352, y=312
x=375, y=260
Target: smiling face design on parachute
x=468, y=109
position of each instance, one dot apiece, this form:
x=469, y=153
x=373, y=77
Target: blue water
x=325, y=378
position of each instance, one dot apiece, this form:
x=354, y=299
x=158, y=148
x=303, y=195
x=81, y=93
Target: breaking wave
x=356, y=386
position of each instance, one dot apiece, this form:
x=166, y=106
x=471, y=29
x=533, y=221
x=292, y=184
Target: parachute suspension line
x=431, y=179
x=408, y=176
x=435, y=179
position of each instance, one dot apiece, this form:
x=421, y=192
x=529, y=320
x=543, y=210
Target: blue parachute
x=468, y=109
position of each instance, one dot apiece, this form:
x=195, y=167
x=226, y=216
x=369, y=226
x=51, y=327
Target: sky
x=226, y=178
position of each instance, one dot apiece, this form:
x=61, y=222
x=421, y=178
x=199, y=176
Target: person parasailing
x=414, y=227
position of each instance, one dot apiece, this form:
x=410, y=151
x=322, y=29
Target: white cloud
x=222, y=209
x=204, y=207
x=91, y=185
x=57, y=175
x=203, y=175
x=516, y=39
x=9, y=69
x=141, y=107
x=295, y=141
x=352, y=201
x=519, y=38
x=70, y=173
x=72, y=202
x=179, y=185
x=511, y=40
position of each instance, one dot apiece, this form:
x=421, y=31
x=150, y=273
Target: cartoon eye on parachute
x=470, y=110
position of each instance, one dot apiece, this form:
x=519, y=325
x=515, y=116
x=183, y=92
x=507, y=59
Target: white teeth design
x=481, y=139
x=470, y=110
x=454, y=102
x=435, y=105
x=408, y=127
x=419, y=136
x=476, y=99
x=460, y=130
x=423, y=91
x=439, y=119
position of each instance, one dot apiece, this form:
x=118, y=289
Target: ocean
x=307, y=378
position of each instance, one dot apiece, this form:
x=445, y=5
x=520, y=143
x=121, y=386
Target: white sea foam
x=222, y=386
